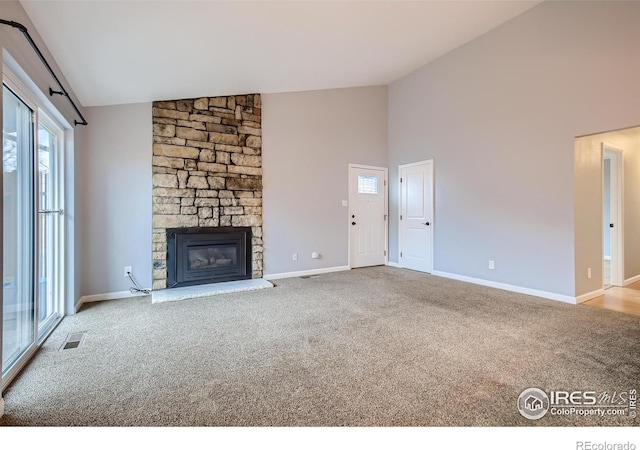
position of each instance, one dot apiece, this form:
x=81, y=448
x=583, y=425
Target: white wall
x=499, y=116
x=116, y=206
x=631, y=194
x=309, y=138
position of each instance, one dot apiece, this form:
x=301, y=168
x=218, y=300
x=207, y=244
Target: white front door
x=416, y=216
x=367, y=215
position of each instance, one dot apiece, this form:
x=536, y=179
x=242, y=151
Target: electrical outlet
x=589, y=272
x=492, y=264
x=127, y=271
x=295, y=256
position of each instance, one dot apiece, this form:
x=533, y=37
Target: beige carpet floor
x=368, y=347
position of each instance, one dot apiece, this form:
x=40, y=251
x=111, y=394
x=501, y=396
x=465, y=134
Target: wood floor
x=623, y=299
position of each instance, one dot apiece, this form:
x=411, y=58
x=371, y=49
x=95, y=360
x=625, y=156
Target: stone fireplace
x=207, y=175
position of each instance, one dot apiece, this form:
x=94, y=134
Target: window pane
x=367, y=184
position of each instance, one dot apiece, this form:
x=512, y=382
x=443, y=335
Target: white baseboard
x=108, y=296
x=393, y=264
x=589, y=295
x=507, y=287
x=1, y=407
x=305, y=273
x=631, y=280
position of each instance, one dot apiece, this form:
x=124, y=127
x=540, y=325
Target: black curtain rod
x=62, y=90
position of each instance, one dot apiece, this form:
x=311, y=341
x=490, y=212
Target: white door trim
x=404, y=166
x=617, y=213
x=352, y=166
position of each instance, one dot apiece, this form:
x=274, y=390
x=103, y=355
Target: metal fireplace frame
x=179, y=240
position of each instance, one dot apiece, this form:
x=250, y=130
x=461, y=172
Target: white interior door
x=367, y=216
x=416, y=216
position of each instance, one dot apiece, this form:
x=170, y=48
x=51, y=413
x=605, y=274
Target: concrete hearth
x=207, y=290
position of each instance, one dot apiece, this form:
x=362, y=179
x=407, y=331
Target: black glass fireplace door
x=207, y=255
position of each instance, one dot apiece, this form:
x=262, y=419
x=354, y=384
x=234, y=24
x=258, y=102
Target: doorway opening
x=612, y=191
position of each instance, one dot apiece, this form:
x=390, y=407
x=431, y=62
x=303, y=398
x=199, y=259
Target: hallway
x=623, y=299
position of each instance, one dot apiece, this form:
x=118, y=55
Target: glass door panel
x=49, y=217
x=18, y=218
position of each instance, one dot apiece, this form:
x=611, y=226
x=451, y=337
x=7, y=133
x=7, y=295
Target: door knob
x=353, y=223
x=426, y=223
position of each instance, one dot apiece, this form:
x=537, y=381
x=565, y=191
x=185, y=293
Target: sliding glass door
x=18, y=326
x=32, y=230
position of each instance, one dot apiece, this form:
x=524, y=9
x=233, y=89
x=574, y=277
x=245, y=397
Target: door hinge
x=400, y=180
x=385, y=253
x=400, y=216
x=400, y=254
x=385, y=182
x=385, y=217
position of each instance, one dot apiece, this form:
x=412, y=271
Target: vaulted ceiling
x=117, y=52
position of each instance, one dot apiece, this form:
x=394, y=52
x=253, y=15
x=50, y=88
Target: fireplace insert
x=208, y=255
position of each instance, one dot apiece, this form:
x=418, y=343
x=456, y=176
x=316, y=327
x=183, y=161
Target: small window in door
x=367, y=184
